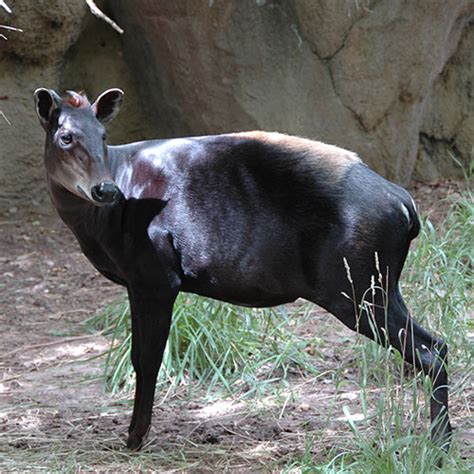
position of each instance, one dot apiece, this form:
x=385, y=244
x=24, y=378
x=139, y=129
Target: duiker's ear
x=46, y=102
x=107, y=105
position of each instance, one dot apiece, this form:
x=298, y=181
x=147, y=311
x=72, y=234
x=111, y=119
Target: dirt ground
x=52, y=398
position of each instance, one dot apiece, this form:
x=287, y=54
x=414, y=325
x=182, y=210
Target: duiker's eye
x=65, y=138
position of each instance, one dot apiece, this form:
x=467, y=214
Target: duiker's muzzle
x=105, y=192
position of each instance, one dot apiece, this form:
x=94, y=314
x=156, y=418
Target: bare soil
x=55, y=412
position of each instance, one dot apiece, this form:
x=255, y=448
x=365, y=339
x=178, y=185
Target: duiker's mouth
x=101, y=194
x=88, y=197
x=83, y=193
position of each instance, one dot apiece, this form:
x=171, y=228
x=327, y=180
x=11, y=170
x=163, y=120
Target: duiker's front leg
x=151, y=319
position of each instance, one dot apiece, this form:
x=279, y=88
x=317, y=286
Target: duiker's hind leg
x=389, y=322
x=427, y=353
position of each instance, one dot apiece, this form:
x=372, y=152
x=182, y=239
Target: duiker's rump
x=254, y=218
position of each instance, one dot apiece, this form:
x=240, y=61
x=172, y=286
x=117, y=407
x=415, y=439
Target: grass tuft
x=225, y=348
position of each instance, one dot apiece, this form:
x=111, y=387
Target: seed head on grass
x=392, y=435
x=439, y=289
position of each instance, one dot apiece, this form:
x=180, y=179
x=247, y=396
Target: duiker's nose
x=105, y=192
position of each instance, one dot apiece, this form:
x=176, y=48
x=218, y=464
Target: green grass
x=244, y=352
x=228, y=349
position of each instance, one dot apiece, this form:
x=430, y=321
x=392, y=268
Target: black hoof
x=134, y=442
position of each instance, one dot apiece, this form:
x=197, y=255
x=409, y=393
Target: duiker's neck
x=120, y=158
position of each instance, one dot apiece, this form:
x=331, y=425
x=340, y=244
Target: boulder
x=447, y=131
x=389, y=79
x=355, y=74
x=67, y=48
x=28, y=60
x=386, y=69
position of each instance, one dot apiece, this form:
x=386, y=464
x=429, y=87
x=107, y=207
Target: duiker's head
x=76, y=150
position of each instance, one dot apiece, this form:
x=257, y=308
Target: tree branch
x=95, y=10
x=5, y=6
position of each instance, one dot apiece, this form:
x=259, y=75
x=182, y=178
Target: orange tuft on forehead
x=77, y=99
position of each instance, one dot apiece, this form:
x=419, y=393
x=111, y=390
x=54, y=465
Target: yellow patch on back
x=332, y=159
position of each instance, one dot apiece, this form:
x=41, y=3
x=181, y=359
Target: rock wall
x=447, y=132
x=356, y=74
x=390, y=79
x=29, y=60
x=62, y=47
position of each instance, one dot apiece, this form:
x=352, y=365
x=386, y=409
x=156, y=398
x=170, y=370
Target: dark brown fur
x=252, y=218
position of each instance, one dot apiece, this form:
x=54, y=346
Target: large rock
x=325, y=24
x=370, y=75
x=29, y=60
x=210, y=67
x=49, y=29
x=386, y=69
x=356, y=74
x=62, y=47
x=22, y=139
x=447, y=132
